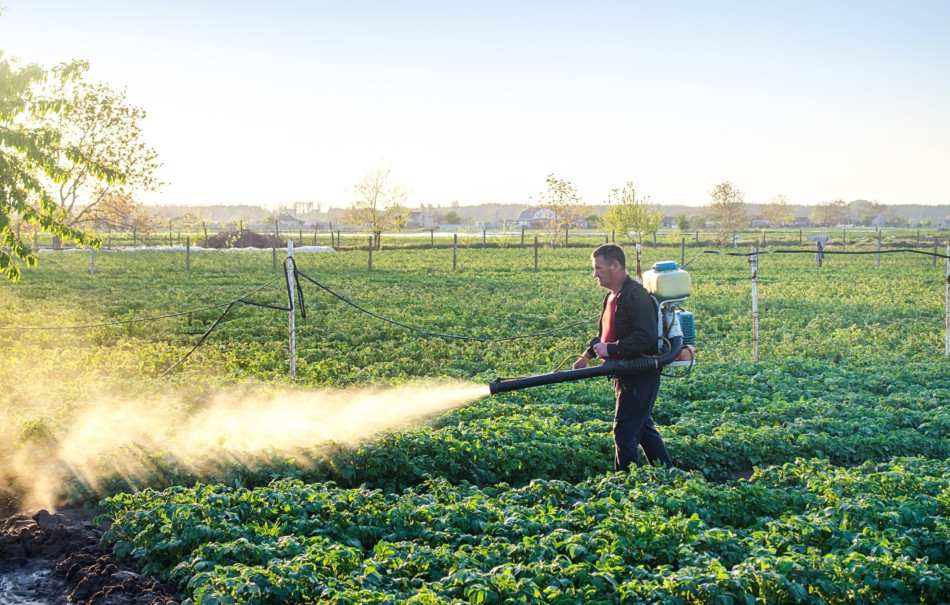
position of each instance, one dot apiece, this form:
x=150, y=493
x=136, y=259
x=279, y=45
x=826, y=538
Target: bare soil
x=56, y=559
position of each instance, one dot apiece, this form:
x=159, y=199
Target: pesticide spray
x=122, y=436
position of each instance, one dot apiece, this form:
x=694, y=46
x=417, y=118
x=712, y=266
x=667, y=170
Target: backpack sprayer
x=670, y=286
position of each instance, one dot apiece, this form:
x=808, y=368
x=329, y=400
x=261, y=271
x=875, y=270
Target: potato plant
x=840, y=431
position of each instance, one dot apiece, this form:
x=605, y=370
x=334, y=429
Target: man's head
x=610, y=266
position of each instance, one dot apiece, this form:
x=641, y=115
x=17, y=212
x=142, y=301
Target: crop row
x=721, y=422
x=803, y=532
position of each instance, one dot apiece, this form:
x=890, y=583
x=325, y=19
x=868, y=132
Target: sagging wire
x=824, y=251
x=439, y=334
x=243, y=300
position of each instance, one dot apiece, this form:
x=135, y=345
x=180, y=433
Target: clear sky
x=293, y=100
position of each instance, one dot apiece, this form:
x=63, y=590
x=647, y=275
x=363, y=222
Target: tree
x=683, y=222
x=107, y=130
x=30, y=154
x=117, y=210
x=777, y=211
x=830, y=213
x=728, y=205
x=379, y=203
x=565, y=206
x=627, y=213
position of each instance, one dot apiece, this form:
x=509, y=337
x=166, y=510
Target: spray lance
x=670, y=286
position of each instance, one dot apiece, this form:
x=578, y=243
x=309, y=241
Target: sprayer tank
x=666, y=281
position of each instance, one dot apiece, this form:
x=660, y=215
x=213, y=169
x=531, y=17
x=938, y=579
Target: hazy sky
x=290, y=100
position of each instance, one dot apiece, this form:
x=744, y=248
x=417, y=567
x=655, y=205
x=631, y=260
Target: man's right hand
x=580, y=363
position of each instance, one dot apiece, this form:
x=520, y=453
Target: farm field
x=818, y=474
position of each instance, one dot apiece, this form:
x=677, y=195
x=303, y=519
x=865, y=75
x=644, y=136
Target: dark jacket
x=635, y=322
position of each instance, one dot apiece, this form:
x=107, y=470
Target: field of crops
x=819, y=474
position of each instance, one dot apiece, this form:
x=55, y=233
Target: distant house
x=420, y=220
x=669, y=222
x=760, y=223
x=801, y=221
x=536, y=218
x=286, y=221
x=876, y=221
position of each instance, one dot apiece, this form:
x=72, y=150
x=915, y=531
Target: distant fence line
x=473, y=238
x=821, y=242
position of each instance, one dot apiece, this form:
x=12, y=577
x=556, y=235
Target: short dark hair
x=610, y=253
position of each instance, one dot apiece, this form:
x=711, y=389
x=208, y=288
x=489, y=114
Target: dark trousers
x=633, y=426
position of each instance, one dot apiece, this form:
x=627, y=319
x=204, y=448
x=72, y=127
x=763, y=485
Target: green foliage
x=627, y=213
x=28, y=154
x=842, y=430
x=800, y=532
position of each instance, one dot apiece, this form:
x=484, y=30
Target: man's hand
x=601, y=350
x=580, y=363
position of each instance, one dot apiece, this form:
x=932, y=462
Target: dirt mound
x=244, y=238
x=56, y=559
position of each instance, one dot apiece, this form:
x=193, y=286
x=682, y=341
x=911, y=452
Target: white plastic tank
x=666, y=281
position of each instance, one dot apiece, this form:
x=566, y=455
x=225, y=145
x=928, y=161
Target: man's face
x=605, y=272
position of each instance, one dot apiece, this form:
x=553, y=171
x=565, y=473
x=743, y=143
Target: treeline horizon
x=483, y=213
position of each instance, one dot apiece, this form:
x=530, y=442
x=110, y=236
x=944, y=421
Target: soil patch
x=55, y=559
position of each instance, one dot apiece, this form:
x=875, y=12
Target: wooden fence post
x=535, y=253
x=754, y=263
x=188, y=253
x=369, y=247
x=455, y=251
x=291, y=331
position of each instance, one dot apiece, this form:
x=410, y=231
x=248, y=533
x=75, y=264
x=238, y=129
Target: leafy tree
x=777, y=211
x=118, y=210
x=564, y=205
x=105, y=128
x=30, y=154
x=728, y=205
x=683, y=223
x=379, y=203
x=627, y=213
x=830, y=213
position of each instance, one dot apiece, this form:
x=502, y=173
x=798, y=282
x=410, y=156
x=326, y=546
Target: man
x=628, y=329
